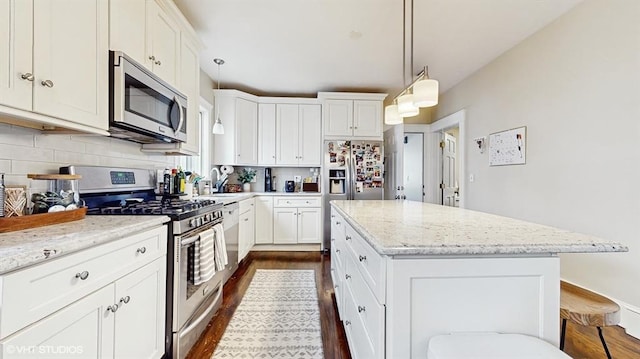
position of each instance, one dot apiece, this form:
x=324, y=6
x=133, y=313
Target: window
x=200, y=164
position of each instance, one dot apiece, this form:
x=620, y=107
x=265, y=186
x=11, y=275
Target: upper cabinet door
x=163, y=43
x=70, y=62
x=338, y=118
x=16, y=43
x=287, y=134
x=310, y=138
x=266, y=134
x=246, y=132
x=367, y=118
x=127, y=28
x=190, y=86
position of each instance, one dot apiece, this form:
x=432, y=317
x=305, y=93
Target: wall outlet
x=481, y=143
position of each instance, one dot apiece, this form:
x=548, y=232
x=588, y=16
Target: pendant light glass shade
x=425, y=93
x=218, y=129
x=391, y=115
x=406, y=107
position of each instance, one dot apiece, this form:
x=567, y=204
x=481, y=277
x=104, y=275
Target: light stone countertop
x=31, y=246
x=226, y=198
x=414, y=228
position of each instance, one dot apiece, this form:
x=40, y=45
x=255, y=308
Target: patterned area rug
x=278, y=317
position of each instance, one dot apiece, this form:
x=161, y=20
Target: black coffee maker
x=267, y=180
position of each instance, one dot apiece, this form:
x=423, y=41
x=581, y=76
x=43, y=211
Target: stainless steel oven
x=193, y=304
x=142, y=107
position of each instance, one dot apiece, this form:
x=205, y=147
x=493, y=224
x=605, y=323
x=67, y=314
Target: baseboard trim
x=287, y=247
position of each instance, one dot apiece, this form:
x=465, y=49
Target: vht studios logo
x=61, y=350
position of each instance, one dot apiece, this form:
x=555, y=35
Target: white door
x=287, y=138
x=266, y=134
x=16, y=46
x=309, y=135
x=85, y=329
x=367, y=118
x=163, y=43
x=127, y=28
x=413, y=166
x=70, y=62
x=309, y=225
x=449, y=185
x=246, y=132
x=264, y=220
x=190, y=85
x=338, y=117
x=140, y=320
x=285, y=225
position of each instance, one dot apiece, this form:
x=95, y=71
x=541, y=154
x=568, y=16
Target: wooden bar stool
x=587, y=308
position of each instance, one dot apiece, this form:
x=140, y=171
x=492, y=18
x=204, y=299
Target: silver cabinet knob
x=347, y=237
x=141, y=250
x=333, y=216
x=361, y=309
x=347, y=276
x=347, y=322
x=337, y=250
x=158, y=62
x=82, y=275
x=246, y=219
x=47, y=83
x=362, y=258
x=113, y=308
x=152, y=58
x=27, y=76
x=338, y=223
x=125, y=300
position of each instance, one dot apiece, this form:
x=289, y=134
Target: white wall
x=24, y=151
x=576, y=86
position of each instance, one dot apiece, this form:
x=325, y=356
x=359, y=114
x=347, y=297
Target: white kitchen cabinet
x=141, y=314
x=163, y=43
x=189, y=84
x=298, y=139
x=297, y=220
x=40, y=76
x=352, y=115
x=266, y=134
x=83, y=329
x=128, y=28
x=82, y=308
x=246, y=229
x=238, y=112
x=264, y=220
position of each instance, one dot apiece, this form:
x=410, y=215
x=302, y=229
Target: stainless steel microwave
x=142, y=107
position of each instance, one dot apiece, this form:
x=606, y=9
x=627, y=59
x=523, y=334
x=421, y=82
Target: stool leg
x=604, y=344
x=564, y=329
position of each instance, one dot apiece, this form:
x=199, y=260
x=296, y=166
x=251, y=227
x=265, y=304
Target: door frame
x=433, y=166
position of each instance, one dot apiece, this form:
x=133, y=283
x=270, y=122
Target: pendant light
x=425, y=91
x=391, y=115
x=406, y=108
x=218, y=129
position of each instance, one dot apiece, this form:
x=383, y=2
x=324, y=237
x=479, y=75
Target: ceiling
x=301, y=47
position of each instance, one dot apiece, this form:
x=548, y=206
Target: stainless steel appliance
x=126, y=191
x=352, y=170
x=142, y=107
x=230, y=222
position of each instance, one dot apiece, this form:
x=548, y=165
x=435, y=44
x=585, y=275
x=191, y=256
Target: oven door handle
x=194, y=323
x=189, y=240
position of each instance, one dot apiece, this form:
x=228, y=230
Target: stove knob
x=192, y=223
x=199, y=221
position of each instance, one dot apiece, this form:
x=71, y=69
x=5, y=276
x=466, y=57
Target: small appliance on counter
x=289, y=186
x=267, y=180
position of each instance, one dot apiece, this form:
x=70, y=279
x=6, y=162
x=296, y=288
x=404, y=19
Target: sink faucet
x=217, y=173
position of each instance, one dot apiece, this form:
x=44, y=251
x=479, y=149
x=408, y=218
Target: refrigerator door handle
x=352, y=182
x=348, y=175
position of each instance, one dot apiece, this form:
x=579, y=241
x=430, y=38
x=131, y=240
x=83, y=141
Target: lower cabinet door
x=140, y=320
x=285, y=225
x=84, y=329
x=309, y=225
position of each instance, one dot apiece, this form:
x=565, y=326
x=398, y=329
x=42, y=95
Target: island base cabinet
x=432, y=296
x=84, y=329
x=140, y=320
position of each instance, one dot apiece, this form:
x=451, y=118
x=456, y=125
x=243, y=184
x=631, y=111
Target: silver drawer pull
x=347, y=276
x=158, y=62
x=333, y=216
x=337, y=286
x=333, y=239
x=362, y=258
x=347, y=322
x=113, y=308
x=337, y=250
x=125, y=300
x=27, y=76
x=337, y=223
x=141, y=250
x=47, y=83
x=361, y=309
x=83, y=275
x=348, y=237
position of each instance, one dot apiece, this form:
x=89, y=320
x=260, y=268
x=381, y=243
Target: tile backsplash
x=24, y=150
x=281, y=174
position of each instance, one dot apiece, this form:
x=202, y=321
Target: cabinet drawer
x=246, y=205
x=337, y=225
x=361, y=343
x=297, y=202
x=35, y=292
x=370, y=264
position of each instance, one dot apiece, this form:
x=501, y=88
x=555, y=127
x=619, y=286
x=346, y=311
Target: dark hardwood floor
x=581, y=342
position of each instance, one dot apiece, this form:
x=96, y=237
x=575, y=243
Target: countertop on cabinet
x=399, y=228
x=226, y=198
x=31, y=246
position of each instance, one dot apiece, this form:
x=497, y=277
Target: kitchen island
x=405, y=271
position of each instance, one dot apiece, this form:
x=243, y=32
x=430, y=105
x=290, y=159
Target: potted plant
x=246, y=175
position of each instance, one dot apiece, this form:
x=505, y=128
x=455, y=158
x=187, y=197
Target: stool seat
x=491, y=346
